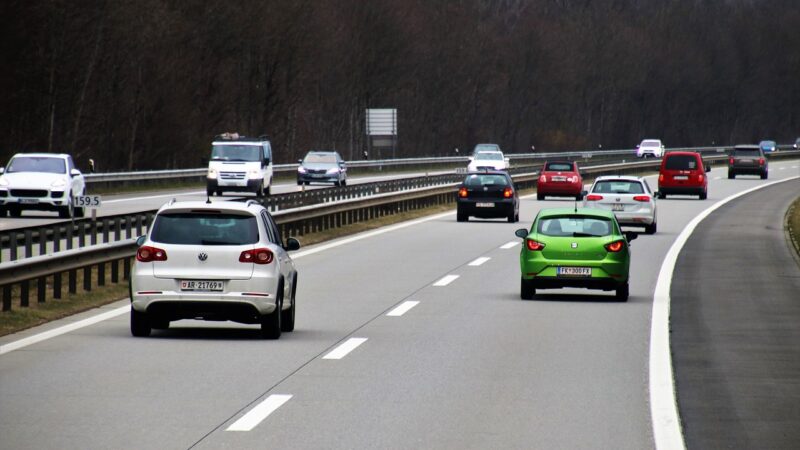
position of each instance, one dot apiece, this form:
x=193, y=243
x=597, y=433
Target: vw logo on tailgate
x=202, y=256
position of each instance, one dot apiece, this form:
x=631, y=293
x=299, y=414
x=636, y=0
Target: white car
x=650, y=147
x=492, y=160
x=630, y=198
x=213, y=261
x=43, y=182
x=239, y=164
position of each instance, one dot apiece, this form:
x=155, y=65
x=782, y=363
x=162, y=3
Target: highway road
x=114, y=204
x=411, y=336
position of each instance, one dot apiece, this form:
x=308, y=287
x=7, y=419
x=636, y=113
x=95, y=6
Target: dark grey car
x=748, y=160
x=322, y=167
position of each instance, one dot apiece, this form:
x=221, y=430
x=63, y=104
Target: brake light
x=257, y=256
x=700, y=177
x=731, y=160
x=508, y=192
x=543, y=179
x=533, y=246
x=615, y=246
x=150, y=254
x=660, y=177
x=462, y=192
x=760, y=161
x=593, y=197
x=641, y=198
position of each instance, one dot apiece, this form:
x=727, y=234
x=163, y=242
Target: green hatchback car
x=579, y=247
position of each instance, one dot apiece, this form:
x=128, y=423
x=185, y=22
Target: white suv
x=40, y=181
x=213, y=261
x=239, y=164
x=650, y=147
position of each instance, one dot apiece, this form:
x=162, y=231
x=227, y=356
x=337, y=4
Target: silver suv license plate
x=201, y=285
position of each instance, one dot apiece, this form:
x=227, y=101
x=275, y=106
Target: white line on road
x=717, y=178
x=16, y=345
x=446, y=280
x=509, y=245
x=402, y=309
x=256, y=415
x=345, y=348
x=663, y=407
x=479, y=261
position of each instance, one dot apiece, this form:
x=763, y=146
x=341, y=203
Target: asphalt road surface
x=735, y=332
x=469, y=365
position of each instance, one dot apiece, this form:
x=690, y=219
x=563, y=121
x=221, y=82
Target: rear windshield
x=747, y=152
x=575, y=226
x=618, y=187
x=37, y=164
x=205, y=229
x=490, y=156
x=315, y=158
x=651, y=143
x=558, y=167
x=681, y=162
x=486, y=180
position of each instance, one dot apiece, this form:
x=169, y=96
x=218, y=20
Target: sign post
x=92, y=202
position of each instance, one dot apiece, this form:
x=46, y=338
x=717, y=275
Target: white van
x=240, y=164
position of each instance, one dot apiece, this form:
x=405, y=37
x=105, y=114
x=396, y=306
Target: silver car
x=214, y=261
x=629, y=198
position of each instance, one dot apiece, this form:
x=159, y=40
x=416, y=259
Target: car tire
x=344, y=182
x=703, y=195
x=579, y=197
x=539, y=196
x=67, y=212
x=299, y=183
x=80, y=212
x=260, y=190
x=14, y=211
x=764, y=175
x=140, y=323
x=461, y=216
x=159, y=324
x=3, y=212
x=271, y=323
x=219, y=193
x=526, y=289
x=731, y=175
x=268, y=189
x=287, y=321
x=622, y=293
x=662, y=195
x=651, y=229
x=209, y=192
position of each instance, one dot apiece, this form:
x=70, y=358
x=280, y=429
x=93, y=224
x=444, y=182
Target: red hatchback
x=560, y=179
x=683, y=173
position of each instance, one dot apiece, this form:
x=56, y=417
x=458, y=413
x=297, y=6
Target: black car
x=748, y=160
x=487, y=194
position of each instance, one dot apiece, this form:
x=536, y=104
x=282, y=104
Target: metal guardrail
x=291, y=222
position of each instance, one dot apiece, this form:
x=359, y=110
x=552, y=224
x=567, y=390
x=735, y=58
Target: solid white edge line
x=402, y=308
x=343, y=349
x=16, y=345
x=509, y=245
x=667, y=430
x=445, y=280
x=479, y=261
x=260, y=412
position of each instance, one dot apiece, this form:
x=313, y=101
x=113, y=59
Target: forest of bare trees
x=145, y=84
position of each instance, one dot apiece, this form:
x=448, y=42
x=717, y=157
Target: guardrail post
x=93, y=232
x=57, y=285
x=73, y=282
x=128, y=227
x=101, y=274
x=115, y=270
x=24, y=294
x=41, y=289
x=126, y=268
x=12, y=246
x=42, y=241
x=28, y=243
x=105, y=230
x=57, y=238
x=118, y=229
x=82, y=226
x=87, y=278
x=138, y=225
x=7, y=297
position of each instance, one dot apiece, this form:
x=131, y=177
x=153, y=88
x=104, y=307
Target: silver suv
x=213, y=261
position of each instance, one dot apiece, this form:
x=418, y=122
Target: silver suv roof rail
x=251, y=202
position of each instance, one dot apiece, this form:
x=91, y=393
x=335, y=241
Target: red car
x=560, y=179
x=683, y=173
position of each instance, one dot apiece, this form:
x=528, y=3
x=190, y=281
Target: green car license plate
x=574, y=271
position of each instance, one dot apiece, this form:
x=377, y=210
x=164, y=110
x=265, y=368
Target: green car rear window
x=575, y=226
x=486, y=180
x=205, y=229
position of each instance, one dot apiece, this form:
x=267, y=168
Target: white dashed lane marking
x=479, y=261
x=509, y=245
x=446, y=280
x=345, y=348
x=259, y=413
x=402, y=308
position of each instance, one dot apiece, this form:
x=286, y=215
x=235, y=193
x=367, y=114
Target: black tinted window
x=486, y=180
x=681, y=162
x=747, y=152
x=205, y=229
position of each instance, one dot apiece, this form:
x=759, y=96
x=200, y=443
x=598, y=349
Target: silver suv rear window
x=618, y=187
x=204, y=229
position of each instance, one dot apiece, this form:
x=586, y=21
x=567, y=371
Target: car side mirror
x=74, y=173
x=471, y=158
x=140, y=240
x=637, y=146
x=584, y=193
x=708, y=168
x=292, y=244
x=266, y=161
x=299, y=161
x=507, y=160
x=2, y=170
x=521, y=233
x=631, y=235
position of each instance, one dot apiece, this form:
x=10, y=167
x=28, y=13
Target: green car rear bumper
x=607, y=273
